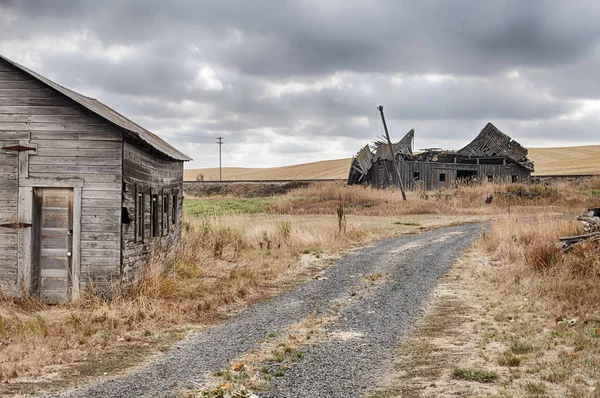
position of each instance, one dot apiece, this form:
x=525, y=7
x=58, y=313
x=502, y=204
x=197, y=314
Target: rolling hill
x=576, y=160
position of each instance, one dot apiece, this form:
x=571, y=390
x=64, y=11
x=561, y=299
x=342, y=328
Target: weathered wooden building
x=85, y=193
x=491, y=157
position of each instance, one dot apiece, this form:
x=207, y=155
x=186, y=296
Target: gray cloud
x=305, y=76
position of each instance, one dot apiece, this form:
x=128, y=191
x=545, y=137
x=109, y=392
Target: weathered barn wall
x=8, y=213
x=382, y=174
x=146, y=174
x=72, y=143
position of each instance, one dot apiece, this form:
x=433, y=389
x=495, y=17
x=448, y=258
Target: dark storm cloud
x=315, y=70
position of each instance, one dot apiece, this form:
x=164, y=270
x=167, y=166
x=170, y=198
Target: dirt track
x=375, y=315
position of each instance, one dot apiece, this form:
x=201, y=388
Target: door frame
x=25, y=209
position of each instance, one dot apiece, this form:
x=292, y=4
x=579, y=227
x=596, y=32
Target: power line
x=226, y=151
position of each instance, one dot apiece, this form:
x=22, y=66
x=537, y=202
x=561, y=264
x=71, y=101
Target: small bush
x=480, y=376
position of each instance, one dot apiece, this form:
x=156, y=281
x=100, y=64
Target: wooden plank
x=108, y=135
x=101, y=211
x=89, y=194
x=113, y=227
x=13, y=136
x=56, y=182
x=22, y=84
x=11, y=105
x=28, y=93
x=101, y=203
x=100, y=236
x=76, y=169
x=93, y=244
x=74, y=152
x=74, y=160
x=99, y=127
x=80, y=144
x=97, y=219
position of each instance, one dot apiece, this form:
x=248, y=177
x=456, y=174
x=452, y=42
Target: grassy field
x=219, y=207
x=575, y=160
x=239, y=251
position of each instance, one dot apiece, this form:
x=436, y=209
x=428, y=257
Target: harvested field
x=577, y=160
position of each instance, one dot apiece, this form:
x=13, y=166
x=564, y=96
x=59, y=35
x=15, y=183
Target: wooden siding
x=145, y=173
x=72, y=143
x=8, y=215
x=381, y=174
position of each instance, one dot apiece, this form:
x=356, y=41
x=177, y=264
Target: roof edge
x=143, y=134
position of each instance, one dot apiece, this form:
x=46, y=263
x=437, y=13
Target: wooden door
x=53, y=228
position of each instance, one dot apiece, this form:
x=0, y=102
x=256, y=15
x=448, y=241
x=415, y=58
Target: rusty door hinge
x=18, y=148
x=16, y=225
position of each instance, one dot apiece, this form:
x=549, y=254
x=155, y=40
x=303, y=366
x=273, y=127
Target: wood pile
x=591, y=227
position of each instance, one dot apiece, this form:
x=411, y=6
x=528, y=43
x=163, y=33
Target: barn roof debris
x=490, y=143
x=133, y=130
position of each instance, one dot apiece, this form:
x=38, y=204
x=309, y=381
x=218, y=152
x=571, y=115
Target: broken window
x=154, y=216
x=416, y=176
x=442, y=177
x=514, y=178
x=490, y=178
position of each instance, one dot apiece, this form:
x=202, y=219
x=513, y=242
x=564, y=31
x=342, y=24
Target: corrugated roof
x=110, y=115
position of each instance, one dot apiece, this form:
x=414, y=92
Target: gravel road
x=376, y=319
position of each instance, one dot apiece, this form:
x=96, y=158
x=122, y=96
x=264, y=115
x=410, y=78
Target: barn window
x=416, y=176
x=154, y=216
x=139, y=216
x=174, y=210
x=490, y=178
x=514, y=178
x=442, y=177
x=165, y=214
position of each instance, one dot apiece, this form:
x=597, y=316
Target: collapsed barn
x=85, y=193
x=491, y=157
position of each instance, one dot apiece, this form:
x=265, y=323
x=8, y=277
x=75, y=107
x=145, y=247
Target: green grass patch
x=591, y=192
x=219, y=207
x=481, y=376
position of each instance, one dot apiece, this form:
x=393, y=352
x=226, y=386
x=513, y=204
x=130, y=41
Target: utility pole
x=220, y=142
x=387, y=135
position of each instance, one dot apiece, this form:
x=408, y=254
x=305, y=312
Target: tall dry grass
x=225, y=264
x=323, y=198
x=536, y=263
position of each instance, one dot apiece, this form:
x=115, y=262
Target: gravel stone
x=377, y=315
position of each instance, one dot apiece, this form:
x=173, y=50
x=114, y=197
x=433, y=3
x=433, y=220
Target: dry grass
x=227, y=263
x=517, y=307
x=231, y=261
x=323, y=198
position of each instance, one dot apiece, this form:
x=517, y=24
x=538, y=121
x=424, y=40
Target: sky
x=288, y=82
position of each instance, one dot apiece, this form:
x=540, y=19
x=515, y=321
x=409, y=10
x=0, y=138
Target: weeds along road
x=376, y=293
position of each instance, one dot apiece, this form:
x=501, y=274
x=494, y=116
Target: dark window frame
x=165, y=214
x=154, y=228
x=416, y=176
x=139, y=215
x=174, y=202
x=442, y=177
x=515, y=178
x=490, y=178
